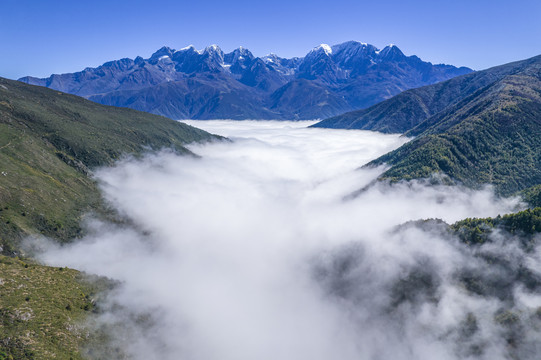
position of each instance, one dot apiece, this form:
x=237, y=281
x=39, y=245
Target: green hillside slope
x=42, y=311
x=491, y=137
x=50, y=141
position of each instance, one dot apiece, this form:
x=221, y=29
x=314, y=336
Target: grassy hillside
x=410, y=108
x=42, y=310
x=491, y=137
x=50, y=141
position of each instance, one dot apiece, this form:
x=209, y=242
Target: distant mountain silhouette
x=209, y=84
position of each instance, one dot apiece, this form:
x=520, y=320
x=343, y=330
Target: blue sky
x=41, y=37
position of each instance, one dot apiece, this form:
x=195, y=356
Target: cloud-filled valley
x=256, y=250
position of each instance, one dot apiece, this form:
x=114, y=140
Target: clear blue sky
x=41, y=37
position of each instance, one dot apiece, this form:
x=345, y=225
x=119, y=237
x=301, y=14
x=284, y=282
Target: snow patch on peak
x=243, y=50
x=355, y=42
x=270, y=58
x=162, y=51
x=391, y=50
x=212, y=48
x=324, y=47
x=390, y=47
x=189, y=47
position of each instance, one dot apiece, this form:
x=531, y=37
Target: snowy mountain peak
x=391, y=52
x=188, y=48
x=214, y=54
x=326, y=48
x=271, y=58
x=240, y=54
x=243, y=51
x=354, y=56
x=161, y=52
x=212, y=48
x=351, y=49
x=348, y=45
x=352, y=43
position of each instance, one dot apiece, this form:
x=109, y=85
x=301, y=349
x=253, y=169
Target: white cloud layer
x=251, y=252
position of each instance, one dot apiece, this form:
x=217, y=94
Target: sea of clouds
x=256, y=250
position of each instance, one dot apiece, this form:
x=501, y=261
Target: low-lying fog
x=255, y=251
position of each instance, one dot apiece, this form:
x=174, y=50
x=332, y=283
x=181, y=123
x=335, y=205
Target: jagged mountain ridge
x=205, y=84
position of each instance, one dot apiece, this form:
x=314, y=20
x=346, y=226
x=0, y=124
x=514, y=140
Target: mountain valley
x=173, y=218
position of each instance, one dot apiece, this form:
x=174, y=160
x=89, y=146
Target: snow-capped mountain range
x=210, y=84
